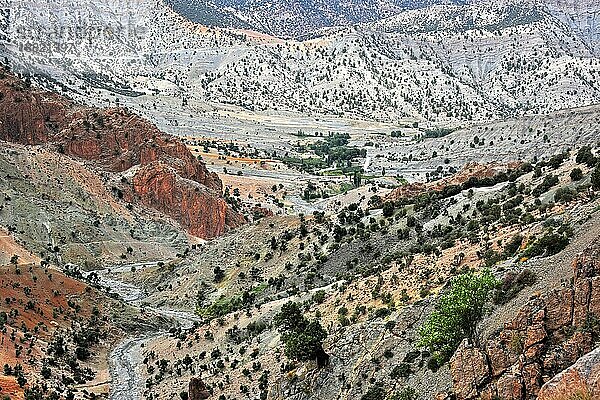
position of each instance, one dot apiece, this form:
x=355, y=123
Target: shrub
x=407, y=393
x=303, y=339
x=388, y=209
x=457, y=313
x=401, y=371
x=319, y=296
x=374, y=393
x=576, y=174
x=513, y=246
x=596, y=177
x=549, y=244
x=547, y=184
x=565, y=195
x=512, y=284
x=585, y=156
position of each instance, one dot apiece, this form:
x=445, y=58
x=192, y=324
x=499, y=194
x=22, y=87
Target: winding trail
x=126, y=360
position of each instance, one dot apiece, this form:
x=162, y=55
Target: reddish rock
x=581, y=380
x=578, y=345
x=469, y=369
x=488, y=393
x=535, y=334
x=509, y=387
x=587, y=265
x=532, y=378
x=594, y=306
x=195, y=206
x=546, y=336
x=534, y=352
x=539, y=317
x=116, y=140
x=558, y=308
x=470, y=171
x=581, y=301
x=500, y=358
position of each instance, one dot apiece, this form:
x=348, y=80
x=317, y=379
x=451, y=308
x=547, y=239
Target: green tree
x=457, y=313
x=303, y=339
x=576, y=174
x=596, y=177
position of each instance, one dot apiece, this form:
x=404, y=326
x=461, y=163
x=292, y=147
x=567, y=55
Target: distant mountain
x=209, y=13
x=443, y=63
x=583, y=16
x=294, y=18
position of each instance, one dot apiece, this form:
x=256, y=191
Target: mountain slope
x=293, y=19
x=583, y=16
x=155, y=169
x=442, y=64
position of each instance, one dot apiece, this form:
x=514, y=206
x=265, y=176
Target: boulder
x=469, y=369
x=581, y=380
x=197, y=390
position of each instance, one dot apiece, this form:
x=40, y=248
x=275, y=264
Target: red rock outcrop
x=168, y=177
x=473, y=170
x=548, y=335
x=194, y=205
x=580, y=381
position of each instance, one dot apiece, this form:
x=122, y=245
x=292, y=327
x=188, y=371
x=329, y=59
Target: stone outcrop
x=197, y=390
x=192, y=204
x=470, y=171
x=547, y=336
x=580, y=381
x=166, y=175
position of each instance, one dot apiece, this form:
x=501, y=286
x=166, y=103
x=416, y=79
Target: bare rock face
x=581, y=380
x=197, y=390
x=192, y=204
x=167, y=177
x=537, y=352
x=470, y=368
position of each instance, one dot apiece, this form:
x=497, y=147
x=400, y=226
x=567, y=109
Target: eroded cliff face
x=547, y=336
x=165, y=174
x=192, y=204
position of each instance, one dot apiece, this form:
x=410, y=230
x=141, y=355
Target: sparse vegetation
x=457, y=313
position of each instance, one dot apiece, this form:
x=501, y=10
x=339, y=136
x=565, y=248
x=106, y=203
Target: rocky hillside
x=295, y=19
x=155, y=170
x=548, y=335
x=485, y=60
x=56, y=333
x=371, y=278
x=582, y=16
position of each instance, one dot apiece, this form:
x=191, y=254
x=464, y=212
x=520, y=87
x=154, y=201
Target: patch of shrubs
x=512, y=284
x=303, y=339
x=552, y=242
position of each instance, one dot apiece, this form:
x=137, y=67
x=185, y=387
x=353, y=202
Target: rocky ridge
x=119, y=142
x=547, y=336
